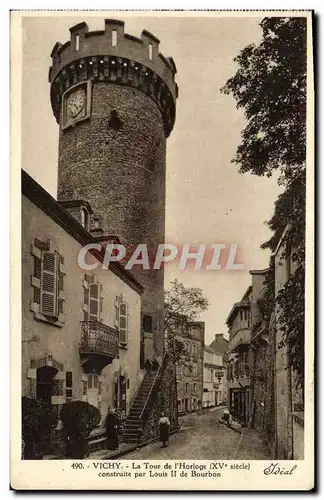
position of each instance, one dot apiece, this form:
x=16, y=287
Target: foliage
x=289, y=300
x=79, y=418
x=270, y=85
x=38, y=418
x=182, y=306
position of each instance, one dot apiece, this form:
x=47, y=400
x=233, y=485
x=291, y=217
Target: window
x=85, y=218
x=147, y=323
x=77, y=42
x=150, y=51
x=194, y=388
x=48, y=283
x=114, y=38
x=94, y=302
x=187, y=387
x=121, y=322
x=68, y=379
x=68, y=386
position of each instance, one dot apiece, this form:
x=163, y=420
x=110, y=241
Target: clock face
x=75, y=103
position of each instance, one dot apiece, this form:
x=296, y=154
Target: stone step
x=130, y=440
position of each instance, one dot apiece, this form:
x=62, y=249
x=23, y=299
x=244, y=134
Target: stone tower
x=114, y=98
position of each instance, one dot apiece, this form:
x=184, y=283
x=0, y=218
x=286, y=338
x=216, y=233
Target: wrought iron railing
x=97, y=338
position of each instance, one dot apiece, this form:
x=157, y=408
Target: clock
x=76, y=104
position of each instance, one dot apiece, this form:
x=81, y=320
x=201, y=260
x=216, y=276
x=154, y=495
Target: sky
x=207, y=200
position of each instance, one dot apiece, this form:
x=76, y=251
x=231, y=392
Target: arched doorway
x=44, y=383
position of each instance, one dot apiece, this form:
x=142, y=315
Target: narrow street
x=202, y=437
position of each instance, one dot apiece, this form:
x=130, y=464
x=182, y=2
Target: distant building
x=220, y=344
x=190, y=369
x=214, y=393
x=239, y=358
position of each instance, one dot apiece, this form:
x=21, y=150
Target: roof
x=259, y=271
x=236, y=306
x=212, y=351
x=220, y=344
x=45, y=202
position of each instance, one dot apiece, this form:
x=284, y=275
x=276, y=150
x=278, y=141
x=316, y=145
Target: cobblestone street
x=202, y=437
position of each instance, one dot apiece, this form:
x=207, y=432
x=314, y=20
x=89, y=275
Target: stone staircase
x=134, y=421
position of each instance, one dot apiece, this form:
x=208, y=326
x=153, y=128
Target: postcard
x=162, y=266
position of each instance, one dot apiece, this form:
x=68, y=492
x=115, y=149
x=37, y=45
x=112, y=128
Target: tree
x=182, y=306
x=270, y=85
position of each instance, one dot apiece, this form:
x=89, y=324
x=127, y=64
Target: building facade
x=190, y=369
x=277, y=403
x=214, y=390
x=87, y=334
x=239, y=358
x=80, y=328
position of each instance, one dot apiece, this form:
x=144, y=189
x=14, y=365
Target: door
x=44, y=391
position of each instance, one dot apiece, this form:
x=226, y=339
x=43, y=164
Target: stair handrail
x=149, y=394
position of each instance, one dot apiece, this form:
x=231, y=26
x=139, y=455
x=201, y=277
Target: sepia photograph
x=165, y=244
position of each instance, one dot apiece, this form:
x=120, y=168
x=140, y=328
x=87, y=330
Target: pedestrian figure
x=164, y=423
x=139, y=434
x=155, y=365
x=227, y=417
x=112, y=429
x=148, y=366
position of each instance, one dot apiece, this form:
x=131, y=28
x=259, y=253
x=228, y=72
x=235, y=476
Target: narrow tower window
x=150, y=51
x=77, y=42
x=85, y=218
x=114, y=38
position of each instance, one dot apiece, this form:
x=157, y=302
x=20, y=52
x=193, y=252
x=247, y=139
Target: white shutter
x=94, y=301
x=49, y=284
x=123, y=323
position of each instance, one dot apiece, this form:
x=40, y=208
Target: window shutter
x=123, y=323
x=49, y=284
x=94, y=302
x=116, y=314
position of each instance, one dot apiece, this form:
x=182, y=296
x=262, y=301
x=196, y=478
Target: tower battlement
x=114, y=56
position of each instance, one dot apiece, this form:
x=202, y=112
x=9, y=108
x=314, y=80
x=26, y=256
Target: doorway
x=44, y=391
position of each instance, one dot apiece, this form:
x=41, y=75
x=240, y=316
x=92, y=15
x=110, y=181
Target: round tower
x=114, y=97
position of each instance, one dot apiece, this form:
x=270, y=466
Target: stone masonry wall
x=121, y=172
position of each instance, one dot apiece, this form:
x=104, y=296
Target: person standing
x=164, y=424
x=112, y=429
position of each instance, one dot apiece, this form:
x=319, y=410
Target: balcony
x=240, y=339
x=99, y=346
